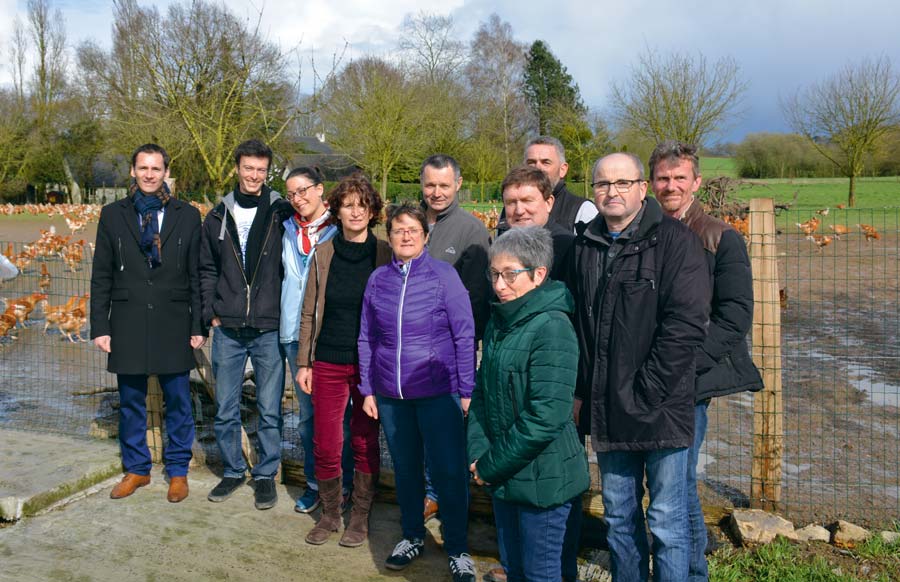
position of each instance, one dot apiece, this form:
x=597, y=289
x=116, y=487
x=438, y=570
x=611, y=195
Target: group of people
x=618, y=317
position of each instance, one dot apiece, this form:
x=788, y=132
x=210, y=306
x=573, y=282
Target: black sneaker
x=404, y=553
x=225, y=488
x=462, y=568
x=264, y=496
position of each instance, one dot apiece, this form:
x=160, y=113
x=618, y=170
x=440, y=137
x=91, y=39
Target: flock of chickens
x=68, y=318
x=821, y=241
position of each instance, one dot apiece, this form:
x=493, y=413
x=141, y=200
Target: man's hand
x=216, y=322
x=464, y=403
x=103, y=342
x=197, y=341
x=576, y=410
x=369, y=407
x=304, y=379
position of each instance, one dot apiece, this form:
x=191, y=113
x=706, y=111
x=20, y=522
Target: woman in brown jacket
x=328, y=359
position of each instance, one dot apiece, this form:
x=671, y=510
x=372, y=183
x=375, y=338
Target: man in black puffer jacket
x=240, y=283
x=723, y=363
x=642, y=291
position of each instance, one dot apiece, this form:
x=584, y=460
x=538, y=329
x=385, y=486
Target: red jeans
x=333, y=385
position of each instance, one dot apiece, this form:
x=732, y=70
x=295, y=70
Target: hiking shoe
x=404, y=553
x=225, y=488
x=308, y=502
x=462, y=568
x=265, y=497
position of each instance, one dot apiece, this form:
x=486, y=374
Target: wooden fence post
x=768, y=412
x=154, y=419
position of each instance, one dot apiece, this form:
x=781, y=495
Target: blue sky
x=780, y=45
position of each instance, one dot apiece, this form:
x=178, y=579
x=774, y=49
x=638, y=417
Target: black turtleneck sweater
x=348, y=274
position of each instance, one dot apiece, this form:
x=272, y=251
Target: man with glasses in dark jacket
x=642, y=292
x=240, y=280
x=723, y=362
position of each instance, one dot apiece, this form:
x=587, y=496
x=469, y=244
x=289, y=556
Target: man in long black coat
x=145, y=313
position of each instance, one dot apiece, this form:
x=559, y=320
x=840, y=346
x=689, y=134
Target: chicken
x=72, y=254
x=742, y=225
x=823, y=211
x=839, y=229
x=71, y=324
x=7, y=324
x=869, y=232
x=841, y=206
x=23, y=306
x=44, y=282
x=821, y=240
x=53, y=314
x=783, y=297
x=810, y=226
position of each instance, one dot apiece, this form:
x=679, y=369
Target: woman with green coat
x=522, y=440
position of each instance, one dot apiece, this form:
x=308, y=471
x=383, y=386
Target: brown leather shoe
x=178, y=489
x=129, y=483
x=431, y=509
x=363, y=494
x=330, y=520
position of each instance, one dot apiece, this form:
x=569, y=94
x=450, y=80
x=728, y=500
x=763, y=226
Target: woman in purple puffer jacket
x=415, y=357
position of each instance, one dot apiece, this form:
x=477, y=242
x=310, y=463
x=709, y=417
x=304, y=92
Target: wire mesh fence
x=833, y=450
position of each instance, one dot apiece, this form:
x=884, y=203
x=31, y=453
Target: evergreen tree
x=547, y=82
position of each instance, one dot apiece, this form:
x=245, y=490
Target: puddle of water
x=881, y=393
x=793, y=469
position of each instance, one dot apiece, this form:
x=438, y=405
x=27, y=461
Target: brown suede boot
x=363, y=494
x=330, y=520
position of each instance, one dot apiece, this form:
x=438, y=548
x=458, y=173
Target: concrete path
x=38, y=469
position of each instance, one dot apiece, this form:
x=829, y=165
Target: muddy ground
x=841, y=379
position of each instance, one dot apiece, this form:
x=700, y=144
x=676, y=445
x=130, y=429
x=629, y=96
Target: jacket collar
x=445, y=212
x=647, y=221
x=550, y=296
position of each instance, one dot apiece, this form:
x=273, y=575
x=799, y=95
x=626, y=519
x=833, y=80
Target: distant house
x=317, y=153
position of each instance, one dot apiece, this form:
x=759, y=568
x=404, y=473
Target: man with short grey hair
x=642, y=293
x=548, y=154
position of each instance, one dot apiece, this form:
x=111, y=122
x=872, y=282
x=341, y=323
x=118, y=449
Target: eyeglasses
x=622, y=186
x=509, y=276
x=299, y=192
x=402, y=232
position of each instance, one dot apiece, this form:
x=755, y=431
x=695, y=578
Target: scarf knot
x=147, y=206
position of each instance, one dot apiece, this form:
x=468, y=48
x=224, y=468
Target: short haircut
x=312, y=174
x=439, y=162
x=672, y=151
x=530, y=245
x=550, y=141
x=356, y=183
x=409, y=209
x=528, y=176
x=151, y=148
x=252, y=148
x=634, y=159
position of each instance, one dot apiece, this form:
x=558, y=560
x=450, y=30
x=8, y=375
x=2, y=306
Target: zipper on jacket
x=512, y=396
x=256, y=270
x=400, y=326
x=121, y=258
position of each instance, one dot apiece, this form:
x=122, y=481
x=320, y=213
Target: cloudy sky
x=780, y=45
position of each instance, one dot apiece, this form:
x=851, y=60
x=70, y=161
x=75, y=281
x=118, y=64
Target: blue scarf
x=147, y=206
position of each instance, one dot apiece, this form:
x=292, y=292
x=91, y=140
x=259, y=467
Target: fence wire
x=840, y=372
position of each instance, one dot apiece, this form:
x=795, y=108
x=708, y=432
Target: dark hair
x=355, y=183
x=439, y=162
x=252, y=148
x=528, y=176
x=151, y=148
x=406, y=208
x=313, y=174
x=671, y=151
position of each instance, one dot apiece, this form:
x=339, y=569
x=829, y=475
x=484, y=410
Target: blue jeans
x=230, y=350
x=622, y=474
x=305, y=427
x=572, y=539
x=530, y=540
x=176, y=391
x=698, y=571
x=432, y=426
x=430, y=491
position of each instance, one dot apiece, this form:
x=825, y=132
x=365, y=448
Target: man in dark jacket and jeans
x=723, y=362
x=642, y=291
x=240, y=280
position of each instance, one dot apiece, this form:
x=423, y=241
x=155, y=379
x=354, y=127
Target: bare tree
x=49, y=37
x=678, y=96
x=377, y=117
x=428, y=44
x=851, y=110
x=584, y=137
x=18, y=55
x=495, y=73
